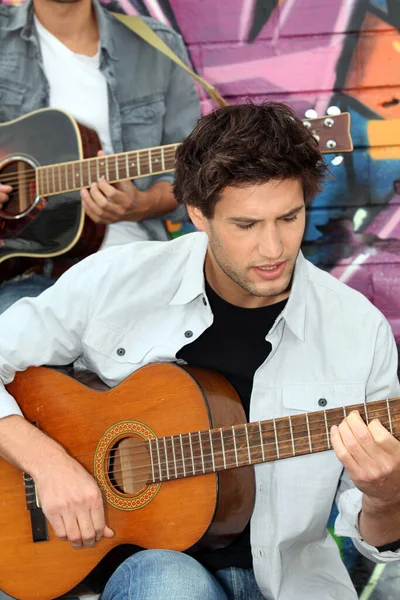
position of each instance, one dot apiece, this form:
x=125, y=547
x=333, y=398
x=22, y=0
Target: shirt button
x=204, y=301
x=188, y=333
x=322, y=401
x=121, y=351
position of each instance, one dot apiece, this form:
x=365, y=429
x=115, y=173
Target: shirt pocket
x=311, y=435
x=308, y=397
x=114, y=354
x=142, y=122
x=11, y=100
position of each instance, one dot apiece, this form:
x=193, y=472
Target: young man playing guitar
x=75, y=56
x=237, y=297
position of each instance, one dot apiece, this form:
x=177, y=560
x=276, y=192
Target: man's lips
x=268, y=272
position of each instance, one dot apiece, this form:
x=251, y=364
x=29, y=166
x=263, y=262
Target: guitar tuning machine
x=337, y=160
x=331, y=144
x=333, y=111
x=329, y=122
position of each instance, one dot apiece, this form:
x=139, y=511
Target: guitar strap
x=138, y=26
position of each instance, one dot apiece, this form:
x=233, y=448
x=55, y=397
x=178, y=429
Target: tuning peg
x=337, y=160
x=311, y=114
x=333, y=111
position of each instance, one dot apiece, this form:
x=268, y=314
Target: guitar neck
x=224, y=448
x=331, y=133
x=72, y=176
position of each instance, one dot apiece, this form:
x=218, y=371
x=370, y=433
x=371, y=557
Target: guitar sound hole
x=22, y=177
x=129, y=466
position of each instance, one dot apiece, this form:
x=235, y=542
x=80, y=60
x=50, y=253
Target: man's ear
x=197, y=218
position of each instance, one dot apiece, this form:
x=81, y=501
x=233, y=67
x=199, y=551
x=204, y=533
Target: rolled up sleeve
x=382, y=383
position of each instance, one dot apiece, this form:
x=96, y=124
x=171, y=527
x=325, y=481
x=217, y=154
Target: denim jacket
x=152, y=101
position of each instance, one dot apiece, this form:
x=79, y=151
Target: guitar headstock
x=332, y=131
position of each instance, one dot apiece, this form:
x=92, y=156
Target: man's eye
x=248, y=226
x=290, y=219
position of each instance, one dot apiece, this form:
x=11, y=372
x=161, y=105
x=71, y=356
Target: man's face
x=254, y=238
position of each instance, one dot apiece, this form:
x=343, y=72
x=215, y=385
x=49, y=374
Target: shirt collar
x=192, y=284
x=22, y=18
x=294, y=312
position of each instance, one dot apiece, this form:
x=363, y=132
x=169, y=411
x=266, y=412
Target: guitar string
x=120, y=162
x=187, y=460
x=208, y=460
x=372, y=414
x=173, y=147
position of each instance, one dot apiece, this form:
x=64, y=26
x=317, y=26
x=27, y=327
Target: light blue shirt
x=329, y=342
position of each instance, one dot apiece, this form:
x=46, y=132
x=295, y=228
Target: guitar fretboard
x=75, y=175
x=203, y=452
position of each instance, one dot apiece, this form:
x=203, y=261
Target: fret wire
x=308, y=431
x=201, y=452
x=366, y=413
x=59, y=179
x=89, y=174
x=97, y=168
x=261, y=440
x=106, y=163
x=151, y=459
x=150, y=163
x=66, y=175
x=116, y=165
x=166, y=457
x=183, y=456
x=344, y=412
x=162, y=159
x=47, y=180
x=234, y=445
x=212, y=449
x=291, y=435
x=223, y=446
x=327, y=431
x=127, y=164
x=138, y=162
x=173, y=454
x=276, y=439
x=191, y=453
x=389, y=415
x=54, y=183
x=248, y=444
x=159, y=460
x=81, y=172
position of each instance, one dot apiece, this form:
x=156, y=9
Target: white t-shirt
x=79, y=87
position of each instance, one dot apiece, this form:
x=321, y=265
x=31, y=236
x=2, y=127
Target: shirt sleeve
x=382, y=383
x=44, y=330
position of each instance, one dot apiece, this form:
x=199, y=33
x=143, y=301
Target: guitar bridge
x=38, y=520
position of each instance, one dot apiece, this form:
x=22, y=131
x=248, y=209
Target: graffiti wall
x=314, y=54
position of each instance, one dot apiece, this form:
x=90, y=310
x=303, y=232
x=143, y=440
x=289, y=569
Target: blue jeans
x=169, y=575
x=20, y=287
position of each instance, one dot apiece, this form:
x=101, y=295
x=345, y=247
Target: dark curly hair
x=243, y=145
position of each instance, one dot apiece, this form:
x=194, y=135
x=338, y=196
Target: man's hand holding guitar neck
x=68, y=495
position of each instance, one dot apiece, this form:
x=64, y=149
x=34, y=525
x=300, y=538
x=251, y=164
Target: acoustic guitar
x=172, y=454
x=45, y=157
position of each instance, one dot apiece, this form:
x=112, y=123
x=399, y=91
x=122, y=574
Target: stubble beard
x=273, y=289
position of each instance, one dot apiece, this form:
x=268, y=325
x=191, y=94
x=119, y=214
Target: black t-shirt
x=235, y=346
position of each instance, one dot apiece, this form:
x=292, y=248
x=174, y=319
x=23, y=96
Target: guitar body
x=55, y=224
x=158, y=400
